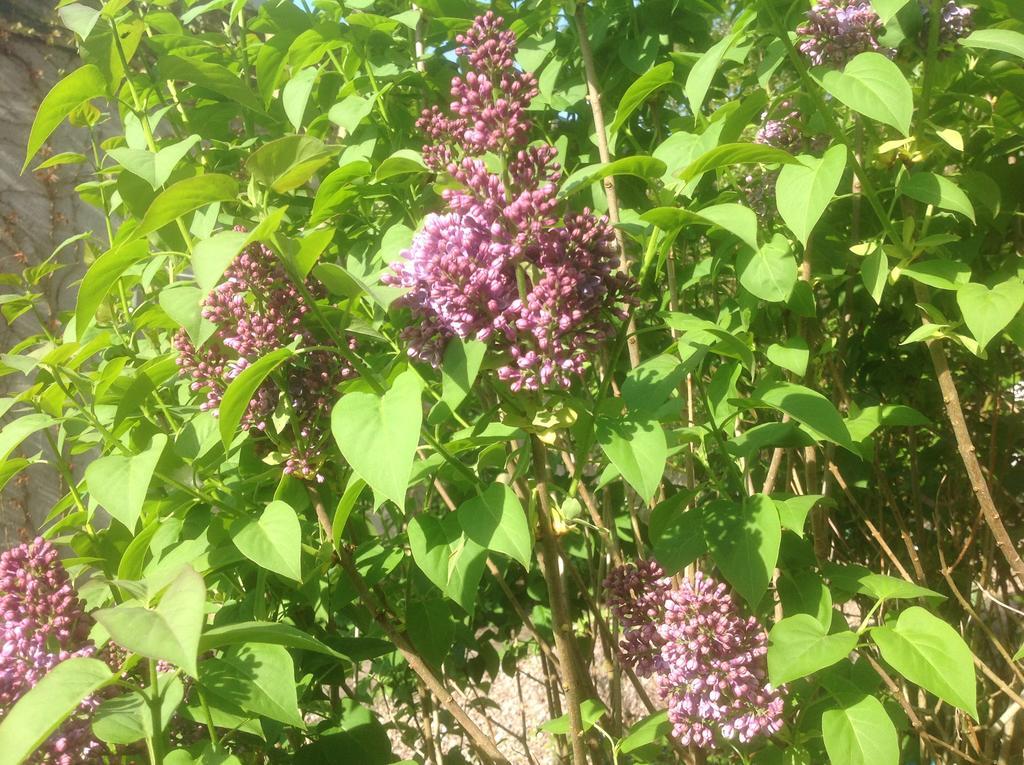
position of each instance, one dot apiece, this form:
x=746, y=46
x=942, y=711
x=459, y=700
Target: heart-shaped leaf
x=928, y=652
x=170, y=631
x=273, y=541
x=799, y=645
x=804, y=191
x=987, y=311
x=378, y=435
x=448, y=557
x=874, y=86
x=495, y=520
x=120, y=484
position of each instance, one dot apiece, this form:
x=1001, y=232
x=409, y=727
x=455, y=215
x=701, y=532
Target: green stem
x=156, y=751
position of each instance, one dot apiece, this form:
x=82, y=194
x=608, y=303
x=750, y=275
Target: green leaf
x=930, y=653
x=288, y=162
x=350, y=112
x=860, y=733
x=452, y=561
x=272, y=633
x=378, y=435
x=591, y=710
x=274, y=541
x=637, y=449
x=353, y=490
x=891, y=588
x=459, y=368
x=936, y=190
x=18, y=430
x=736, y=219
x=987, y=311
x=792, y=355
x=79, y=18
x=940, y=273
x=185, y=196
x=809, y=408
x=769, y=273
x=703, y=71
x=211, y=77
x=641, y=89
x=120, y=483
x=874, y=86
x=79, y=87
x=804, y=191
x=793, y=511
x=887, y=9
x=295, y=95
x=211, y=257
x=101, y=277
x=1020, y=653
x=495, y=520
x=729, y=154
x=402, y=162
x=258, y=677
x=803, y=592
x=677, y=535
x=240, y=391
x=52, y=700
x=156, y=168
x=651, y=729
x=800, y=645
x=640, y=166
x=170, y=631
x=128, y=718
x=183, y=304
x=1002, y=40
x=744, y=540
x=874, y=271
x=431, y=629
x=337, y=190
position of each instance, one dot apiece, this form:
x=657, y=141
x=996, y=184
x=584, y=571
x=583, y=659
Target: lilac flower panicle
x=257, y=309
x=709, y=662
x=838, y=30
x=636, y=594
x=783, y=131
x=714, y=672
x=43, y=623
x=501, y=265
x=955, y=22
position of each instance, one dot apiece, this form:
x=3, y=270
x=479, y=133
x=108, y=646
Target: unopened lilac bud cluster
x=955, y=22
x=838, y=30
x=42, y=623
x=784, y=130
x=256, y=310
x=708, y=660
x=501, y=265
x=636, y=594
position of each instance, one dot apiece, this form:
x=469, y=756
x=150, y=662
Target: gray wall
x=37, y=212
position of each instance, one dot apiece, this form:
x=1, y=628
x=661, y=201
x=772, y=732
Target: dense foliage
x=716, y=429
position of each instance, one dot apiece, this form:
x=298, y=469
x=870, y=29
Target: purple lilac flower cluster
x=955, y=22
x=783, y=131
x=500, y=265
x=709, y=662
x=838, y=30
x=42, y=623
x=257, y=309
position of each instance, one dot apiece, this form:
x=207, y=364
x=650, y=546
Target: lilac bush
x=502, y=265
